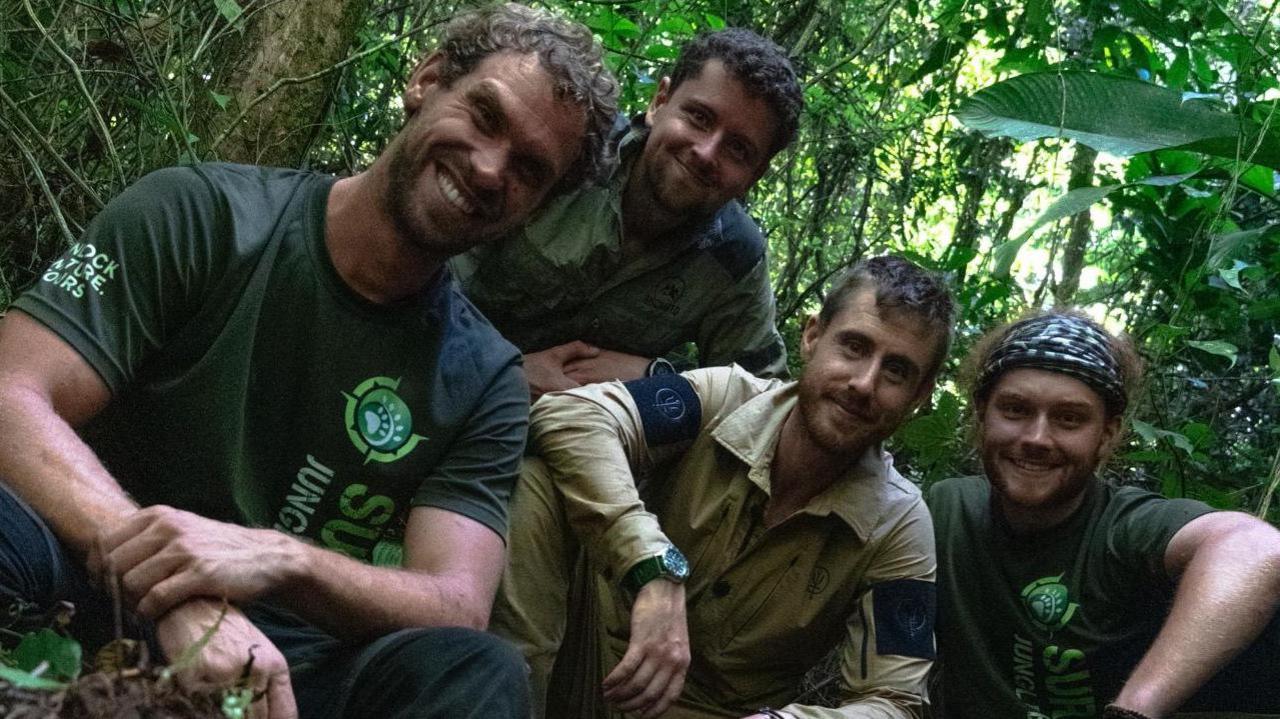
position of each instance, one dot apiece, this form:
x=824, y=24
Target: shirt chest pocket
x=788, y=618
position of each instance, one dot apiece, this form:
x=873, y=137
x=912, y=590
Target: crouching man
x=1061, y=595
x=272, y=394
x=712, y=535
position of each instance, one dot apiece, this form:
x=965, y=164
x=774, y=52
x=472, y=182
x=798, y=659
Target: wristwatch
x=659, y=365
x=670, y=565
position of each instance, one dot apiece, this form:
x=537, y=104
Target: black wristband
x=769, y=713
x=1111, y=711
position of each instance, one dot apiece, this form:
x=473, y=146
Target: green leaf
x=1217, y=347
x=1232, y=276
x=1077, y=200
x=27, y=680
x=715, y=22
x=62, y=654
x=927, y=434
x=1273, y=359
x=1230, y=245
x=1151, y=433
x=1259, y=179
x=1119, y=115
x=230, y=9
x=1178, y=72
x=1200, y=434
x=222, y=100
x=1147, y=456
x=1265, y=309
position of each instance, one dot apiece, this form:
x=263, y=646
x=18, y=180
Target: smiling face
x=709, y=141
x=475, y=159
x=865, y=374
x=1042, y=434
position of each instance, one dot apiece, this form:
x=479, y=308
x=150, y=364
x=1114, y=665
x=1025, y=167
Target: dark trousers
x=437, y=672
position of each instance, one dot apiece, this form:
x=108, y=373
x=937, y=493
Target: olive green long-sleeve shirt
x=853, y=569
x=564, y=277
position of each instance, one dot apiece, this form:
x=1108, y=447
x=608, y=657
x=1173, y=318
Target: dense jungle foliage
x=1116, y=155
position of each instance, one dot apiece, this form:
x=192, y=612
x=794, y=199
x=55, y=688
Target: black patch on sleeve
x=757, y=360
x=669, y=408
x=904, y=615
x=740, y=246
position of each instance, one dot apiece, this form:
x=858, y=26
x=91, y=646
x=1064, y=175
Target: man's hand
x=545, y=370
x=651, y=674
x=236, y=650
x=165, y=556
x=607, y=366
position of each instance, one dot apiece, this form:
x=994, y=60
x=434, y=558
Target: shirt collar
x=751, y=434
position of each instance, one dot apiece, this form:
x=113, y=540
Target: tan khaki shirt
x=853, y=569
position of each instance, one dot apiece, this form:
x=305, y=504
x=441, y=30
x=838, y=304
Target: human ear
x=812, y=331
x=1110, y=437
x=659, y=99
x=425, y=77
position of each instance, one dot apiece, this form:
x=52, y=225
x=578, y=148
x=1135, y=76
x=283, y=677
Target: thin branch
x=93, y=107
x=49, y=149
x=39, y=175
x=866, y=42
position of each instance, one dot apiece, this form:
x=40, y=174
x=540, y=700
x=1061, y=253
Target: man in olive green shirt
x=610, y=277
x=713, y=535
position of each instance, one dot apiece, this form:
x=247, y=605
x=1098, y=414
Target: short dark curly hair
x=900, y=285
x=568, y=52
x=758, y=63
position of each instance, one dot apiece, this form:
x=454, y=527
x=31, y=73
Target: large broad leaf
x=1118, y=115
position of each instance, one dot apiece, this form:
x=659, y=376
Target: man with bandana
x=1061, y=595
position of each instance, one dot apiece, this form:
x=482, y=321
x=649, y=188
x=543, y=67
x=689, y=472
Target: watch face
x=675, y=564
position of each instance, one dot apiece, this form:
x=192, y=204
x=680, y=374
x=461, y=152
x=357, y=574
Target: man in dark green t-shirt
x=1060, y=595
x=262, y=387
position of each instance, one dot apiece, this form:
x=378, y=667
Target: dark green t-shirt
x=251, y=385
x=1050, y=624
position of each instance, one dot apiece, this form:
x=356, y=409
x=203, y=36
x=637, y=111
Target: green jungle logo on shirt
x=1048, y=602
x=378, y=421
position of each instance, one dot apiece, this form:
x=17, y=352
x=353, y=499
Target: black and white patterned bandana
x=1067, y=344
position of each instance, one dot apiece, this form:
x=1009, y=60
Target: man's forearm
x=591, y=453
x=47, y=464
x=1225, y=598
x=356, y=601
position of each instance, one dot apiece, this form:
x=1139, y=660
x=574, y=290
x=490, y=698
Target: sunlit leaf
x=229, y=9
x=1217, y=347
x=1119, y=115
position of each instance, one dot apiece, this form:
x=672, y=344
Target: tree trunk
x=280, y=80
x=1081, y=228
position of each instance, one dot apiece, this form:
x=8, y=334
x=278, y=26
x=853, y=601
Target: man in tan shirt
x=714, y=535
